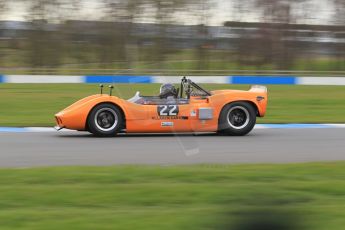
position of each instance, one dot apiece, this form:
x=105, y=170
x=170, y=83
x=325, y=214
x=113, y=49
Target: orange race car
x=189, y=108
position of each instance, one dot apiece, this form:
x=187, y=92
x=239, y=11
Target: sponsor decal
x=167, y=124
x=193, y=113
x=170, y=118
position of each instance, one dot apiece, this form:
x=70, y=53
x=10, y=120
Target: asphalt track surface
x=260, y=146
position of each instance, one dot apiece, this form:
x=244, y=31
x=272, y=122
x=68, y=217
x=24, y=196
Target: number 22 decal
x=167, y=110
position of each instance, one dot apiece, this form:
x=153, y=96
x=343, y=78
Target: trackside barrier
x=118, y=79
x=263, y=80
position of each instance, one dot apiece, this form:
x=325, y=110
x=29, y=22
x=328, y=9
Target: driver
x=168, y=91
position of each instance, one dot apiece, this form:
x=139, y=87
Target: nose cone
x=59, y=120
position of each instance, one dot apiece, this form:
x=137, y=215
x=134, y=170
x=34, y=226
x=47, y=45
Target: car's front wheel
x=237, y=119
x=105, y=120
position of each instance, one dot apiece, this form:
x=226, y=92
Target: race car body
x=194, y=109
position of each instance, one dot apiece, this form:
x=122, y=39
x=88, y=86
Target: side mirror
x=111, y=87
x=101, y=86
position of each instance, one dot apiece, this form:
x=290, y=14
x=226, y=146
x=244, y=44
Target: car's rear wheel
x=237, y=119
x=105, y=120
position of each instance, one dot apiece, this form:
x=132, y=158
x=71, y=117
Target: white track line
x=258, y=126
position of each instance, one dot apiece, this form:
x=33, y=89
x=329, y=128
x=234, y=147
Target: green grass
x=36, y=104
x=183, y=60
x=178, y=197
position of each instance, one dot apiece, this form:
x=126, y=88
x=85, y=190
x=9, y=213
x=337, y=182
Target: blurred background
x=165, y=38
x=171, y=36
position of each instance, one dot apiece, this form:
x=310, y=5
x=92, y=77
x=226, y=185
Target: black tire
x=105, y=120
x=237, y=119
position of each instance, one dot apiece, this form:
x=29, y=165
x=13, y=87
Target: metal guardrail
x=157, y=72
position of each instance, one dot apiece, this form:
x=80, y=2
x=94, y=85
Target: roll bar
x=187, y=86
